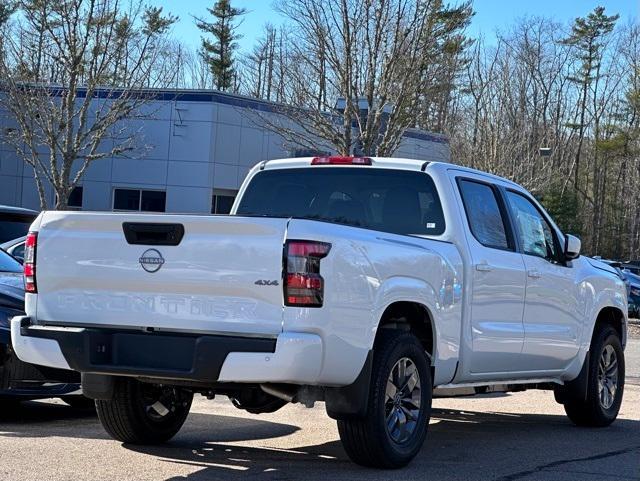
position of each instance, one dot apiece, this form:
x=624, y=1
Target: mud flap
x=352, y=400
x=576, y=389
x=97, y=386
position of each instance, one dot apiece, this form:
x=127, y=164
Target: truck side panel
x=366, y=271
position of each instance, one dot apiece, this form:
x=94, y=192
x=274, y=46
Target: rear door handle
x=484, y=267
x=534, y=273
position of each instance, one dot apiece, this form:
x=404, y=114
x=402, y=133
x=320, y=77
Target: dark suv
x=20, y=380
x=15, y=222
x=628, y=272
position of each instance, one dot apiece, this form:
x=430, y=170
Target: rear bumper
x=292, y=357
x=26, y=380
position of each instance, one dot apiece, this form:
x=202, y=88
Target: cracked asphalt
x=514, y=437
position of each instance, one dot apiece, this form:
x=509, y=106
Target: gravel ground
x=634, y=329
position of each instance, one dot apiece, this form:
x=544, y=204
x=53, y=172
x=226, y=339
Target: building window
x=153, y=201
x=126, y=199
x=75, y=198
x=222, y=201
x=74, y=202
x=139, y=200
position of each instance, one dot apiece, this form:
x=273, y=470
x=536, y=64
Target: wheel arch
x=581, y=396
x=429, y=306
x=351, y=401
x=607, y=313
x=613, y=316
x=412, y=316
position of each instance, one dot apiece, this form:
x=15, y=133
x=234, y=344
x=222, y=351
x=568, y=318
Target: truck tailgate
x=223, y=277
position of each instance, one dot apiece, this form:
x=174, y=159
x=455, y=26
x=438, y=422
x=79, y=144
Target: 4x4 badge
x=265, y=282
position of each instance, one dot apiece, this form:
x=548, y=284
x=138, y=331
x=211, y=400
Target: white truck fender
x=443, y=311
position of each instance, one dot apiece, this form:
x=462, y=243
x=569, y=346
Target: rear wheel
x=605, y=382
x=142, y=413
x=394, y=429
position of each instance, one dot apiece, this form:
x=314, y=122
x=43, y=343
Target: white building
x=199, y=145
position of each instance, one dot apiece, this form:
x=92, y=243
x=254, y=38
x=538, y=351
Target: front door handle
x=534, y=273
x=484, y=267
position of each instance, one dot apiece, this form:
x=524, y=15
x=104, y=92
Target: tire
x=596, y=410
x=134, y=416
x=367, y=440
x=79, y=402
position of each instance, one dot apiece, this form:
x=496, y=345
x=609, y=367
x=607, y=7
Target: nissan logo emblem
x=151, y=260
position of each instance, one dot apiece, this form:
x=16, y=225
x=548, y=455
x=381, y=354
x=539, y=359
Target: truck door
x=498, y=281
x=552, y=315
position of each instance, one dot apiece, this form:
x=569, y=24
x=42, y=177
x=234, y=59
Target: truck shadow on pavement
x=460, y=445
x=24, y=413
x=43, y=419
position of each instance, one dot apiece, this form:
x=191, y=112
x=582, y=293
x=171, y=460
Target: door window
x=536, y=236
x=483, y=213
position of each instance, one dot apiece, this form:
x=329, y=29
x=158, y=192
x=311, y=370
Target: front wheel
x=395, y=427
x=605, y=382
x=142, y=413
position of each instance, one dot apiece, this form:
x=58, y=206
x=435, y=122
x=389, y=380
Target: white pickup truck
x=371, y=284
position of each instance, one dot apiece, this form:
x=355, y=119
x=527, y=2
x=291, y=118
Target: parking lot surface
x=523, y=436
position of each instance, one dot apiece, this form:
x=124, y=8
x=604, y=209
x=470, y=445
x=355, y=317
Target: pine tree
x=587, y=37
x=218, y=52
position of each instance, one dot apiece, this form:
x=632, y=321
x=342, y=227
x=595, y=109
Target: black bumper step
x=161, y=355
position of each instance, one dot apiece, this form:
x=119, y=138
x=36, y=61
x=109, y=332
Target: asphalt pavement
x=632, y=359
x=511, y=437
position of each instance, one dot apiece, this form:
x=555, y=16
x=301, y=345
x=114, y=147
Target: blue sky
x=490, y=14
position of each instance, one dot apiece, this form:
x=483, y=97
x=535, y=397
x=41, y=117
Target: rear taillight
x=338, y=160
x=29, y=264
x=303, y=284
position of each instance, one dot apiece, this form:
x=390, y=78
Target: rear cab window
x=397, y=201
x=485, y=218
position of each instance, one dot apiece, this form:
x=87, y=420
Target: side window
x=18, y=251
x=535, y=233
x=485, y=220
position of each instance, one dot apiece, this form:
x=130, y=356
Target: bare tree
x=72, y=72
x=521, y=94
x=262, y=69
x=357, y=71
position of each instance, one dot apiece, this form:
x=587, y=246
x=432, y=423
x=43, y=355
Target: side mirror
x=571, y=247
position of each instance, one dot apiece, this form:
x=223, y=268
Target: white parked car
x=368, y=283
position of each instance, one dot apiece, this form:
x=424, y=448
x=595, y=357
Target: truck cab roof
x=382, y=163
